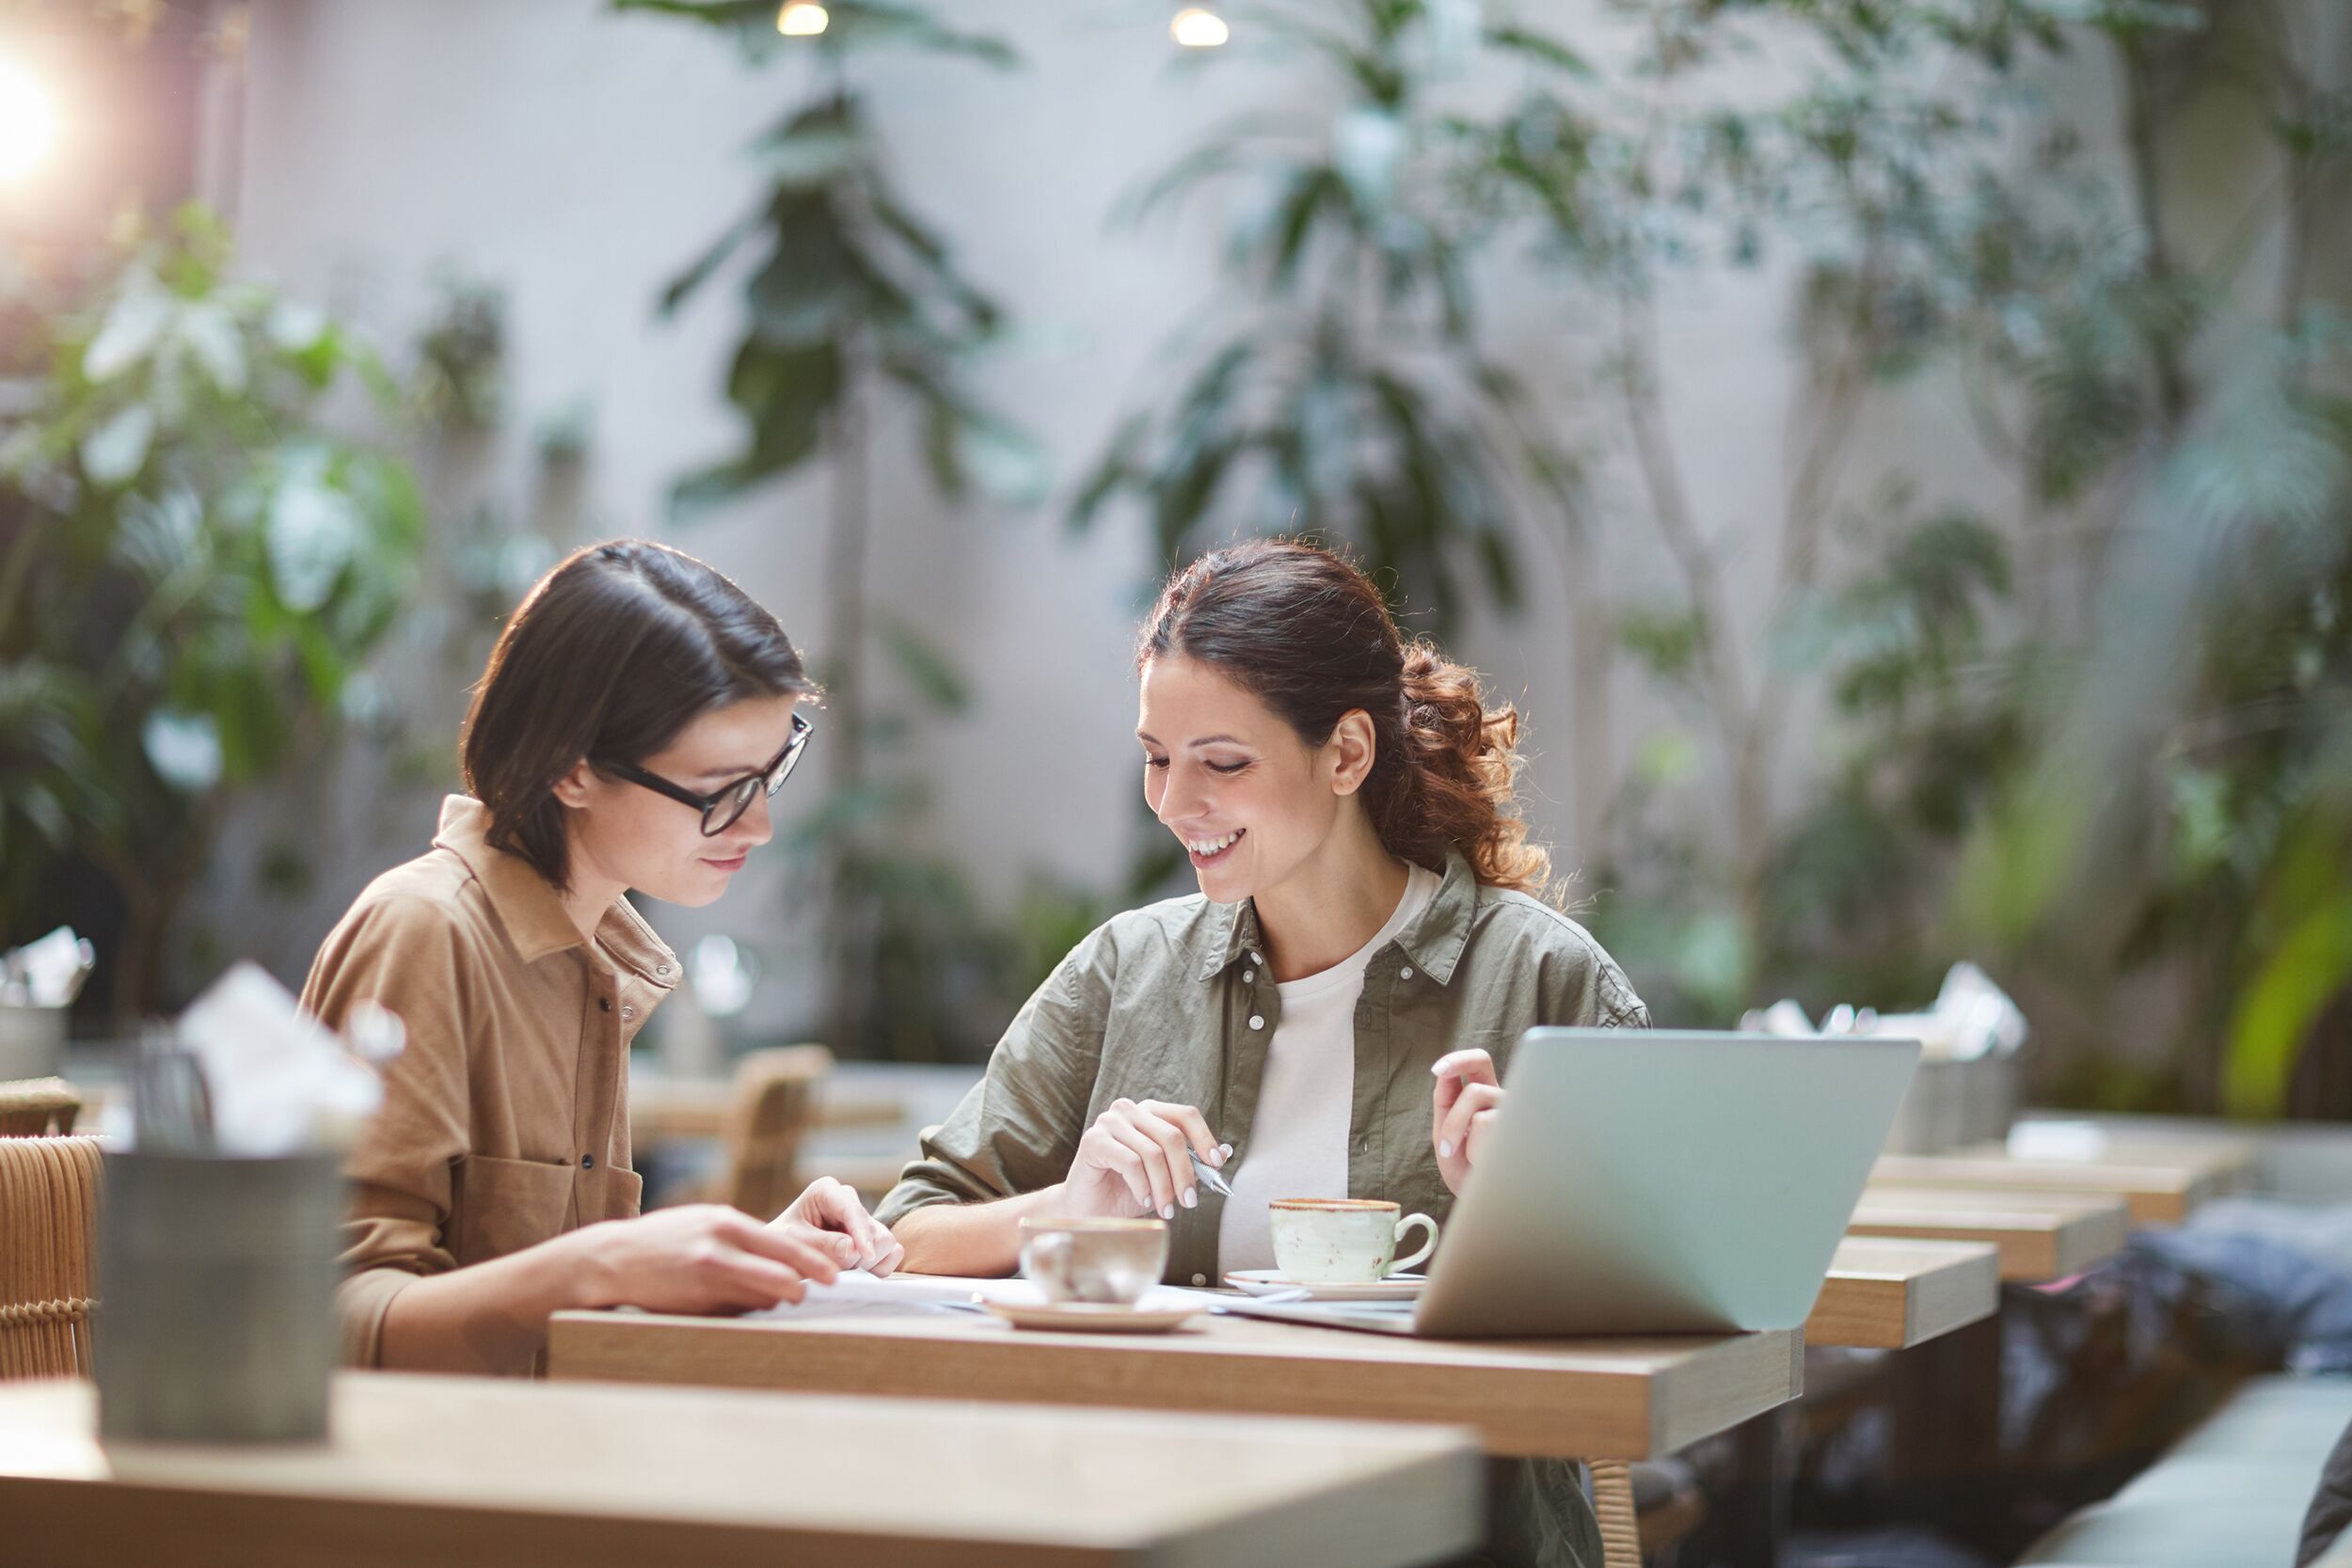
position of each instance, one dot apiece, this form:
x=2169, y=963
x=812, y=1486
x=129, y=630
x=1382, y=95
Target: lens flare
x=28, y=122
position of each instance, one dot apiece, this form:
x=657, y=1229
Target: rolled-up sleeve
x=404, y=955
x=1018, y=1129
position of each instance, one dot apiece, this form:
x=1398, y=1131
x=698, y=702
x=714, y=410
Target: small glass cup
x=1099, y=1262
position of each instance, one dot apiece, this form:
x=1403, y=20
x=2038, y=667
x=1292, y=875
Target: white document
x=859, y=1294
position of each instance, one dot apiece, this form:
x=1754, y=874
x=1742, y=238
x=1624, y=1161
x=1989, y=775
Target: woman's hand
x=698, y=1257
x=1133, y=1161
x=830, y=1215
x=1463, y=1108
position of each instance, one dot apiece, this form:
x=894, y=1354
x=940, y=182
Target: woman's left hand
x=830, y=1215
x=1463, y=1105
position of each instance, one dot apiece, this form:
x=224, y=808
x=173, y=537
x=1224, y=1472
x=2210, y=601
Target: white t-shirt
x=1298, y=1138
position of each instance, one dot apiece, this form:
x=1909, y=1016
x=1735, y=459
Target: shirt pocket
x=622, y=1194
x=506, y=1205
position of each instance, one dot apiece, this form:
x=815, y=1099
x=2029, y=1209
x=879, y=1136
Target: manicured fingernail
x=1445, y=1151
x=1191, y=1197
x=1167, y=1210
x=1224, y=1153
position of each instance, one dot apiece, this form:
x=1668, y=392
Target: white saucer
x=1273, y=1282
x=1091, y=1316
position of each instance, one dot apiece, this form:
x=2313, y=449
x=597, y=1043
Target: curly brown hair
x=1310, y=636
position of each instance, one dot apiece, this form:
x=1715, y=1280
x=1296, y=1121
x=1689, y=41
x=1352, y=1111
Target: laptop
x=1651, y=1181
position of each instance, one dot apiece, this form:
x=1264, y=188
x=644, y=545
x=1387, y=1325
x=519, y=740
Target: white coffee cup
x=1334, y=1240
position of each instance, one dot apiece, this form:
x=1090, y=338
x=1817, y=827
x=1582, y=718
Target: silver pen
x=1207, y=1173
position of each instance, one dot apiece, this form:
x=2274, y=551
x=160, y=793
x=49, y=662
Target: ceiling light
x=1197, y=27
x=802, y=19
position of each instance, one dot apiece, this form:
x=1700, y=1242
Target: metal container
x=1955, y=1105
x=32, y=1042
x=217, y=1297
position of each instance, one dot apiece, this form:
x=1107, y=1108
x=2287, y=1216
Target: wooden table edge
x=583, y=1347
x=1969, y=1268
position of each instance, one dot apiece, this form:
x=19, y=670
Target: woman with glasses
x=636, y=715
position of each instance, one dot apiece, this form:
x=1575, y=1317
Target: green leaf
x=313, y=533
x=1536, y=46
x=2310, y=968
x=115, y=451
x=185, y=749
x=731, y=14
x=698, y=272
x=1670, y=642
x=930, y=671
x=1114, y=472
x=135, y=322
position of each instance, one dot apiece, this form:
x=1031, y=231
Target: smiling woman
x=636, y=715
x=1330, y=1016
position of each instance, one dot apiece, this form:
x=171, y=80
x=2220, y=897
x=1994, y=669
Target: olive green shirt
x=1174, y=1002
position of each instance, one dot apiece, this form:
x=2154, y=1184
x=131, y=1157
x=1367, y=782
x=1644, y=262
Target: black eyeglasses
x=725, y=806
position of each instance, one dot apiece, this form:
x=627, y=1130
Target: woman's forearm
x=975, y=1240
x=490, y=1317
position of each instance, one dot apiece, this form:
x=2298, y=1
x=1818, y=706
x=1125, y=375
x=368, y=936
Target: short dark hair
x=610, y=655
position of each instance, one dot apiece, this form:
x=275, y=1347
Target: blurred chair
x=32, y=1107
x=1667, y=1502
x=48, y=1218
x=1612, y=1502
x=771, y=1110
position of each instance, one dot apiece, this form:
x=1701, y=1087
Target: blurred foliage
x=2088, y=726
x=2093, y=737
x=1343, y=389
x=855, y=307
x=194, y=564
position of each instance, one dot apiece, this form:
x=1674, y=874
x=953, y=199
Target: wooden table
x=2162, y=1186
x=1565, y=1399
x=2040, y=1235
x=464, y=1471
x=1894, y=1292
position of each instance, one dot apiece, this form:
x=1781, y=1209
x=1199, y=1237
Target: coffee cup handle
x=1426, y=1247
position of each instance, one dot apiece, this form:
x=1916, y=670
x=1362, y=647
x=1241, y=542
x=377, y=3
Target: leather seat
x=2230, y=1493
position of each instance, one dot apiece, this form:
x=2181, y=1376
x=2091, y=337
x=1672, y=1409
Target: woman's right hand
x=697, y=1258
x=1132, y=1162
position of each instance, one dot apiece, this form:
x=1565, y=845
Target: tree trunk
x=848, y=940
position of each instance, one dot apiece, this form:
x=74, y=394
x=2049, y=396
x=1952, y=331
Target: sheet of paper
x=858, y=1293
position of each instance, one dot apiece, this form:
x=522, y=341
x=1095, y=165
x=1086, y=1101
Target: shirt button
x=605, y=1003
x=1256, y=959
x=1200, y=1279
x=1405, y=973
x=631, y=1012
x=1247, y=975
x=1258, y=1022
x=1363, y=1146
x=587, y=1162
x=662, y=969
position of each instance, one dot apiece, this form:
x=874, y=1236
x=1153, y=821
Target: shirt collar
x=529, y=908
x=1434, y=938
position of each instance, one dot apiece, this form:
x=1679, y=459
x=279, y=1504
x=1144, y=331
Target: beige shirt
x=505, y=1121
